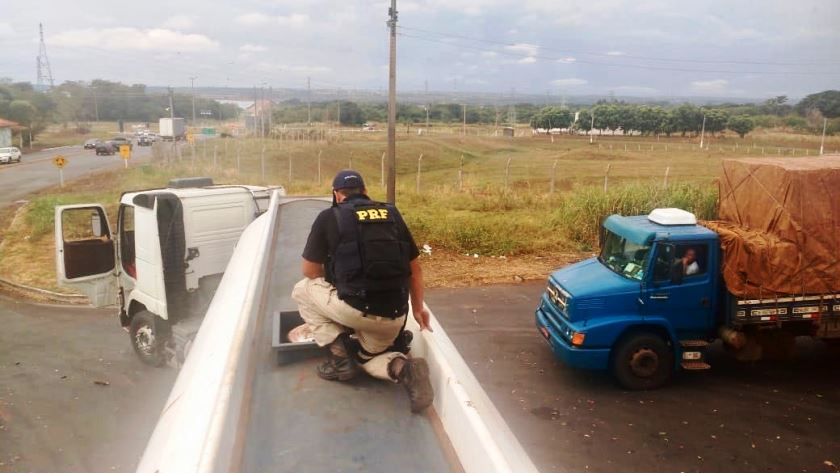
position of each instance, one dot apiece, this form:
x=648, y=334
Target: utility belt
x=363, y=306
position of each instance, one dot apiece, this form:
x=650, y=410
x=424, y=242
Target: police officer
x=360, y=266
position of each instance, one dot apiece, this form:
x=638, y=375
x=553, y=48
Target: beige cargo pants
x=328, y=316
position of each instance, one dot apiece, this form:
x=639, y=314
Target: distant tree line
x=78, y=102
x=687, y=119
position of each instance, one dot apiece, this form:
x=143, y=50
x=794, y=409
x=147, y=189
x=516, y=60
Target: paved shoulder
x=53, y=414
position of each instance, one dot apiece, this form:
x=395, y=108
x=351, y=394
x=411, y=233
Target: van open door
x=84, y=252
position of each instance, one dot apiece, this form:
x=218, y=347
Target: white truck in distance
x=172, y=129
x=164, y=261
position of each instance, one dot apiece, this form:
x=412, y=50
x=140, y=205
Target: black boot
x=340, y=364
x=413, y=374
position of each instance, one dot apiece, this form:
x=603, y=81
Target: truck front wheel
x=145, y=340
x=642, y=361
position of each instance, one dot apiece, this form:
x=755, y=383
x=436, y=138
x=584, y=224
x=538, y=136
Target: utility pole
x=822, y=142
x=308, y=102
x=392, y=105
x=464, y=126
x=703, y=131
x=192, y=89
x=591, y=127
x=171, y=104
x=270, y=110
x=95, y=103
x=255, y=110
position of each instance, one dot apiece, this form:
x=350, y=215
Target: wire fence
x=306, y=164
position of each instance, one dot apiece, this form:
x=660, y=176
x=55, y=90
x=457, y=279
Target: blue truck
x=646, y=308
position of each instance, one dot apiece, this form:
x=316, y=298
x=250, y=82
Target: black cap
x=347, y=179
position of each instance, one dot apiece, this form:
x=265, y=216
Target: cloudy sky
x=712, y=48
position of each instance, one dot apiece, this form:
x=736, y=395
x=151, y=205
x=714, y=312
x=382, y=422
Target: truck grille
x=558, y=297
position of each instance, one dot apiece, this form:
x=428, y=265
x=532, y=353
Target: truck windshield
x=623, y=256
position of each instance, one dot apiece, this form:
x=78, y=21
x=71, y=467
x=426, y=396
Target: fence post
x=419, y=160
x=607, y=177
x=507, y=172
x=382, y=171
x=262, y=163
x=554, y=175
x=238, y=153
x=319, y=167
x=665, y=183
x=215, y=162
x=461, y=174
x=290, y=168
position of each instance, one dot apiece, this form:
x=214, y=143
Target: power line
x=605, y=64
x=629, y=56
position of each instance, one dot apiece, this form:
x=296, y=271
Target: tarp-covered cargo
x=780, y=225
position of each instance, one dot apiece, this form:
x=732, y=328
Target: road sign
x=190, y=138
x=125, y=151
x=59, y=161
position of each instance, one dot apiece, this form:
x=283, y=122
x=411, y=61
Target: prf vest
x=371, y=258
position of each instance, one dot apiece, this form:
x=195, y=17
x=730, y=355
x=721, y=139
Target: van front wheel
x=145, y=340
x=642, y=361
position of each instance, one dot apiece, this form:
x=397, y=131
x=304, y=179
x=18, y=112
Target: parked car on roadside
x=9, y=155
x=91, y=143
x=105, y=148
x=144, y=140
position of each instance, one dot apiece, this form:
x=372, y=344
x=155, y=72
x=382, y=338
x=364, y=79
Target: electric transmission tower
x=45, y=77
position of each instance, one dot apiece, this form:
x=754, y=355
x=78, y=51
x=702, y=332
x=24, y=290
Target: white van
x=163, y=263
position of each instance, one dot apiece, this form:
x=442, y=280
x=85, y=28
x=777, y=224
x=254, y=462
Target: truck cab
x=644, y=307
x=163, y=262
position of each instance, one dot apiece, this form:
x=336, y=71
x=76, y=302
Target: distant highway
x=36, y=171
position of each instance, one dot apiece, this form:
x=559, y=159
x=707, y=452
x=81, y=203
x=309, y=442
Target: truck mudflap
x=233, y=409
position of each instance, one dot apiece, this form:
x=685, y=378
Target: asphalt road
x=768, y=417
x=53, y=415
x=36, y=171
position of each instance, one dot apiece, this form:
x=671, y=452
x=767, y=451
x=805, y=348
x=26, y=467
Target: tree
x=716, y=121
x=687, y=119
x=351, y=114
x=552, y=117
x=741, y=124
x=827, y=102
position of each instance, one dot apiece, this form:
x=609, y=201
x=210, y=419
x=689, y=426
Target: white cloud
x=523, y=48
x=710, y=86
x=253, y=19
x=569, y=82
x=6, y=30
x=489, y=54
x=567, y=60
x=178, y=22
x=293, y=20
x=124, y=38
x=527, y=60
x=252, y=48
x=615, y=53
x=270, y=67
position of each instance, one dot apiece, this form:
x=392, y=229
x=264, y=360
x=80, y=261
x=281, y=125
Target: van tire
x=145, y=340
x=642, y=361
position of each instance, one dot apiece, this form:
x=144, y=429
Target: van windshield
x=623, y=256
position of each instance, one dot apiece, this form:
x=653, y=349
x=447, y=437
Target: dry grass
x=534, y=230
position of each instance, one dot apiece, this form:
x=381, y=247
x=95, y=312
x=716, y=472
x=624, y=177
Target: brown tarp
x=780, y=225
